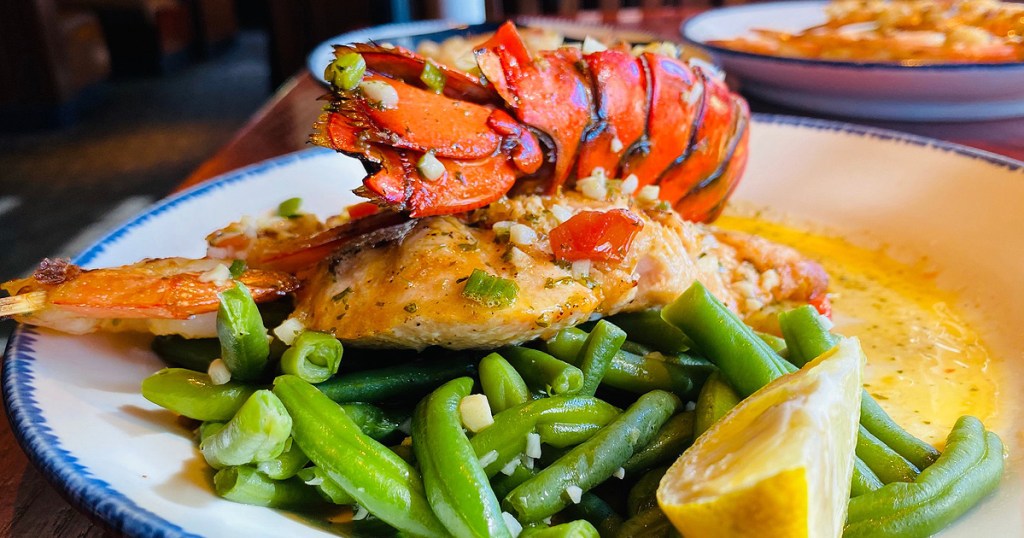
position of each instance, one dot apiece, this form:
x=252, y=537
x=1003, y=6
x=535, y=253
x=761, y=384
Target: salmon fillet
x=407, y=292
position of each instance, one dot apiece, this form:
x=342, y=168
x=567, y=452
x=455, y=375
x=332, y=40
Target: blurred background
x=108, y=105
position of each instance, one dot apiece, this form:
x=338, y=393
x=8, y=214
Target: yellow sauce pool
x=926, y=367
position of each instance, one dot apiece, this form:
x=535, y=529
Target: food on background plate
x=515, y=238
x=908, y=31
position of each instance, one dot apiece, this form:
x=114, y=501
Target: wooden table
x=31, y=507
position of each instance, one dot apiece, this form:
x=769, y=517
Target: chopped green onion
x=237, y=268
x=490, y=290
x=289, y=208
x=433, y=77
x=346, y=71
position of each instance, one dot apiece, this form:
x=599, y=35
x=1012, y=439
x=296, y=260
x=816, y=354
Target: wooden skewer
x=22, y=304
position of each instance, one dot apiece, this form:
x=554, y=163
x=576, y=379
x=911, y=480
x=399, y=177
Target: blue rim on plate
x=95, y=496
x=812, y=62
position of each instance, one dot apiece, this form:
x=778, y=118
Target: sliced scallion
x=237, y=268
x=490, y=290
x=346, y=71
x=433, y=77
x=289, y=208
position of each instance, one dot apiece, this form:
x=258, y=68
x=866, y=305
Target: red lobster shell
x=654, y=116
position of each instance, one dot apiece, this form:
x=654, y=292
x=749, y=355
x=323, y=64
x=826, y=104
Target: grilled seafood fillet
x=408, y=293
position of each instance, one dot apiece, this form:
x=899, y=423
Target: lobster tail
x=447, y=143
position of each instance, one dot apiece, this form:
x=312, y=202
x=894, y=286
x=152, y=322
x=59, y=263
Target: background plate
x=890, y=91
x=74, y=402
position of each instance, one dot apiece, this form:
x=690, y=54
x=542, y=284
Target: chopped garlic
x=533, y=445
x=475, y=412
x=380, y=92
x=561, y=212
x=315, y=481
x=218, y=372
x=581, y=268
x=649, y=193
x=430, y=168
x=594, y=187
x=489, y=458
x=616, y=145
x=619, y=473
x=219, y=275
x=630, y=184
x=360, y=514
x=514, y=527
x=591, y=45
x=575, y=494
x=690, y=406
x=289, y=330
x=527, y=462
x=502, y=228
x=519, y=258
x=507, y=470
x=521, y=234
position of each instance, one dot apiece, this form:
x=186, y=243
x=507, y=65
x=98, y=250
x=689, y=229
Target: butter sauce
x=926, y=367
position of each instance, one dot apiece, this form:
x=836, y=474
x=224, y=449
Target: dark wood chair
x=49, y=55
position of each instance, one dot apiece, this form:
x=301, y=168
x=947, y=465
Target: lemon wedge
x=780, y=463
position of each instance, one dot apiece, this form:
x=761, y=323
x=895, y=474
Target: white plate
x=75, y=406
x=890, y=91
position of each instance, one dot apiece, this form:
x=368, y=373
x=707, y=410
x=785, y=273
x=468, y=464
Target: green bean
x=647, y=327
x=501, y=383
x=507, y=436
x=544, y=372
x=192, y=353
x=968, y=470
x=882, y=426
x=864, y=479
x=192, y=394
x=455, y=483
x=372, y=420
x=566, y=434
x=405, y=382
x=244, y=346
x=209, y=428
x=314, y=357
x=600, y=514
x=325, y=485
x=599, y=349
x=715, y=400
x=809, y=335
x=580, y=528
x=248, y=486
x=746, y=361
x=672, y=439
x=777, y=344
x=393, y=492
x=503, y=484
x=643, y=494
x=286, y=465
x=806, y=337
x=887, y=465
x=595, y=460
x=257, y=432
x=680, y=373
x=649, y=524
